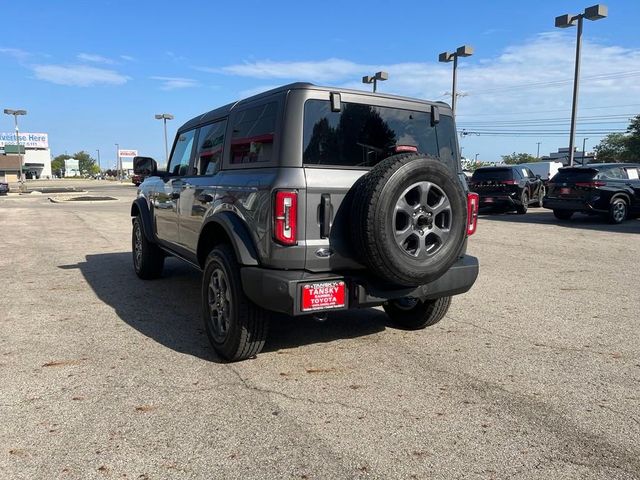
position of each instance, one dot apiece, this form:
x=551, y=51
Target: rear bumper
x=280, y=290
x=570, y=204
x=499, y=200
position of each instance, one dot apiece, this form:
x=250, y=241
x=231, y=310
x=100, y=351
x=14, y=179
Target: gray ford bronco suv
x=305, y=200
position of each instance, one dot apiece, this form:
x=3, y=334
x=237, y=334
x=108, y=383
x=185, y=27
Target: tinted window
x=574, y=175
x=209, y=153
x=362, y=135
x=253, y=133
x=492, y=174
x=179, y=162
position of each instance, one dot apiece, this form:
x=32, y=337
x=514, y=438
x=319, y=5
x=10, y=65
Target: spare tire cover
x=409, y=219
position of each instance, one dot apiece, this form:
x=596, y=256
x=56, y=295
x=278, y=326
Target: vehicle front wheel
x=148, y=258
x=563, y=214
x=524, y=204
x=414, y=314
x=236, y=327
x=617, y=211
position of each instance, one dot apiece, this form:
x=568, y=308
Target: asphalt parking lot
x=535, y=373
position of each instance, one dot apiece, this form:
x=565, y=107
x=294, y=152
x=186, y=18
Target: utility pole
x=99, y=166
x=584, y=152
x=538, y=154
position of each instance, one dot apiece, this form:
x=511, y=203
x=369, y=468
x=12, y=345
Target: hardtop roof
x=227, y=109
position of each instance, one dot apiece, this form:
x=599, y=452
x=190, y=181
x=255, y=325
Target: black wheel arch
x=227, y=227
x=140, y=208
x=622, y=195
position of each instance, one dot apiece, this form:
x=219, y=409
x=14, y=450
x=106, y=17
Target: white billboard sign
x=128, y=153
x=29, y=140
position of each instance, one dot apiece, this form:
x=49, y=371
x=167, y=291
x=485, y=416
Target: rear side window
x=632, y=173
x=361, y=135
x=497, y=174
x=209, y=153
x=253, y=134
x=613, y=173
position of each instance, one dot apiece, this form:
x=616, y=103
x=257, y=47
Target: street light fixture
x=15, y=114
x=446, y=57
x=593, y=13
x=164, y=117
x=379, y=76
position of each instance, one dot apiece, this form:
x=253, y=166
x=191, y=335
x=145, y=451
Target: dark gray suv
x=305, y=200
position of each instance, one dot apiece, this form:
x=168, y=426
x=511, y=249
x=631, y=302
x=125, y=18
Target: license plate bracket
x=326, y=295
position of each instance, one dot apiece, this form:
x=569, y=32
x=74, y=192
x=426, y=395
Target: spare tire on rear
x=409, y=219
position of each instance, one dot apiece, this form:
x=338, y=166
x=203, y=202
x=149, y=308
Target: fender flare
x=140, y=208
x=625, y=196
x=238, y=234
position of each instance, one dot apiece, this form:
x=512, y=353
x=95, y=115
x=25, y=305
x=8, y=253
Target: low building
x=562, y=155
x=36, y=157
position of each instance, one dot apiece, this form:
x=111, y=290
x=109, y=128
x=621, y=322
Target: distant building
x=36, y=159
x=562, y=155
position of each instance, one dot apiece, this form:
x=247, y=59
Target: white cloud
x=16, y=53
x=250, y=92
x=78, y=75
x=531, y=80
x=173, y=83
x=128, y=58
x=92, y=57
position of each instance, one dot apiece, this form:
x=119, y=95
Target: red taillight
x=593, y=184
x=285, y=215
x=510, y=182
x=473, y=202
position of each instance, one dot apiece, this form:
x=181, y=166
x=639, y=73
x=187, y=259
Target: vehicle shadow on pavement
x=581, y=221
x=167, y=310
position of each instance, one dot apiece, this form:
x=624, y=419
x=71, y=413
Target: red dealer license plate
x=319, y=296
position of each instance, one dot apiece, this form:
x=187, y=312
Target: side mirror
x=145, y=166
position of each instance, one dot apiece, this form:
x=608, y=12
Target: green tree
x=57, y=164
x=612, y=148
x=517, y=158
x=621, y=147
x=87, y=163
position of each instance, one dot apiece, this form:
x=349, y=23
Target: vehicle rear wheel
x=236, y=327
x=524, y=204
x=414, y=314
x=617, y=210
x=541, y=194
x=148, y=258
x=408, y=219
x=563, y=214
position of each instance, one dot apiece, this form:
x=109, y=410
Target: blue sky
x=92, y=74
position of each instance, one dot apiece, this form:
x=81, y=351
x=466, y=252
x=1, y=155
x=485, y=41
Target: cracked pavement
x=534, y=374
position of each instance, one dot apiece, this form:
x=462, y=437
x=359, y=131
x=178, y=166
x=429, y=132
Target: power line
x=502, y=114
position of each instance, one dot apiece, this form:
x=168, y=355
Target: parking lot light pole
x=593, y=13
x=118, y=160
x=584, y=152
x=15, y=114
x=446, y=57
x=99, y=166
x=379, y=76
x=164, y=117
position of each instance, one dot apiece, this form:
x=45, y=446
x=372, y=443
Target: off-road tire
x=373, y=217
x=148, y=258
x=524, y=203
x=562, y=214
x=423, y=314
x=247, y=322
x=618, y=211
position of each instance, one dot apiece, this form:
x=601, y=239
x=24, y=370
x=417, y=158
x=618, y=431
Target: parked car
x=4, y=188
x=137, y=179
x=546, y=170
x=509, y=187
x=609, y=189
x=305, y=200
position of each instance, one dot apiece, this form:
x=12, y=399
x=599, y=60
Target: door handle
x=325, y=215
x=205, y=198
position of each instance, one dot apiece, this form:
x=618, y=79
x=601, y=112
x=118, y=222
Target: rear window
x=497, y=174
x=574, y=175
x=362, y=135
